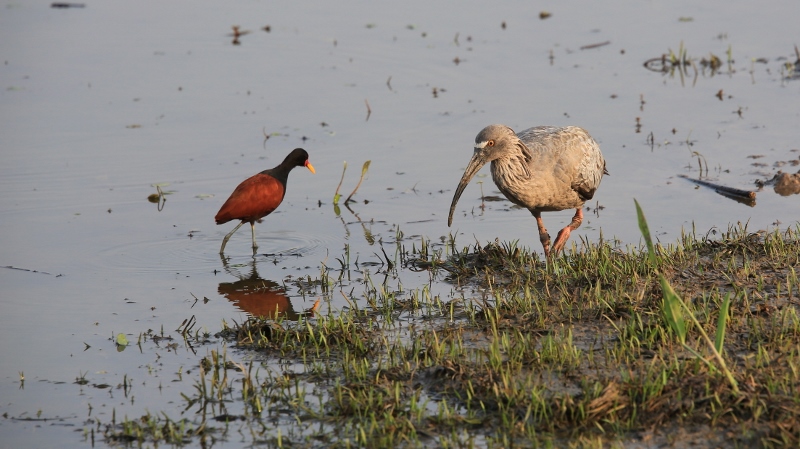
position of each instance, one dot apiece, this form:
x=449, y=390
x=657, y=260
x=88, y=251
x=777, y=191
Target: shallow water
x=100, y=103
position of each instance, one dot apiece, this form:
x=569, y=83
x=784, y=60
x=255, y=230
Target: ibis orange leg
x=544, y=237
x=563, y=235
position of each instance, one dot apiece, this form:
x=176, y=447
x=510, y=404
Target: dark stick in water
x=722, y=189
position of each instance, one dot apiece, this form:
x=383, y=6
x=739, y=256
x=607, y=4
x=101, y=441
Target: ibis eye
x=490, y=143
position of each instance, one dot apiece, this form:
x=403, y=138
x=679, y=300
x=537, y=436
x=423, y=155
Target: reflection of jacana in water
x=259, y=195
x=260, y=297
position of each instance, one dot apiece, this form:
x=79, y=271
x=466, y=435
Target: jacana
x=259, y=195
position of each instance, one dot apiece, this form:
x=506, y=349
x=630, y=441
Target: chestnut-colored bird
x=544, y=168
x=259, y=195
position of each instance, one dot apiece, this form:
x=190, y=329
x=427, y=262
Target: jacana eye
x=490, y=143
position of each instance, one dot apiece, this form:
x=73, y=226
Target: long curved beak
x=473, y=167
x=310, y=167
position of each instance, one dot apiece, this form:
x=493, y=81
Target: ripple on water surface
x=180, y=254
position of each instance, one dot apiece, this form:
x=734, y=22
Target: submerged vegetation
x=587, y=350
x=679, y=61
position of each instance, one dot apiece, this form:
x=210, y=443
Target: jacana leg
x=563, y=235
x=225, y=240
x=544, y=237
x=253, y=232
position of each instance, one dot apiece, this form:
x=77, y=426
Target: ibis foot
x=544, y=236
x=563, y=235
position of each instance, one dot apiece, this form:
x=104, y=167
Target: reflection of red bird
x=259, y=195
x=260, y=297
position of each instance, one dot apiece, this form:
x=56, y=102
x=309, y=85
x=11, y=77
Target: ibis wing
x=589, y=171
x=574, y=155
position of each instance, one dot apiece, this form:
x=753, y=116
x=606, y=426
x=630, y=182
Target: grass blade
x=363, y=173
x=672, y=302
x=672, y=310
x=722, y=322
x=336, y=195
x=673, y=307
x=645, y=233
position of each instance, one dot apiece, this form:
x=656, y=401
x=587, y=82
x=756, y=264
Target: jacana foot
x=253, y=234
x=224, y=261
